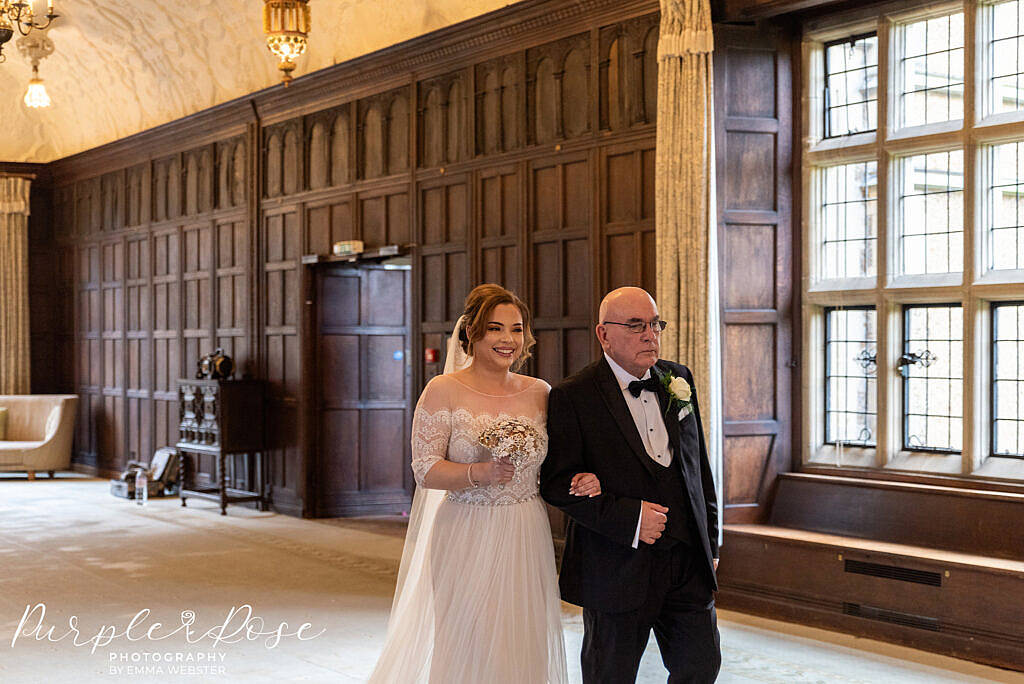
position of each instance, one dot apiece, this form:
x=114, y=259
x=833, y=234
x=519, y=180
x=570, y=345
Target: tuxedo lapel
x=610, y=391
x=671, y=424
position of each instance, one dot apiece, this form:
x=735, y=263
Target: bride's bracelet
x=469, y=475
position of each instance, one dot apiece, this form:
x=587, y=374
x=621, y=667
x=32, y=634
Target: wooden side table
x=221, y=418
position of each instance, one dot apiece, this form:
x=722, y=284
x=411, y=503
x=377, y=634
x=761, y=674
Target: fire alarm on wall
x=431, y=355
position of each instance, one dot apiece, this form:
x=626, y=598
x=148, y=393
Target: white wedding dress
x=477, y=599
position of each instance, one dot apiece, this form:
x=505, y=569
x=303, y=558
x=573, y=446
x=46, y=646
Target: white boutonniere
x=679, y=394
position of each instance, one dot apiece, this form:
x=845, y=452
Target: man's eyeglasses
x=656, y=326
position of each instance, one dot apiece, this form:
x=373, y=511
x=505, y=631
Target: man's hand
x=715, y=561
x=652, y=521
x=585, y=484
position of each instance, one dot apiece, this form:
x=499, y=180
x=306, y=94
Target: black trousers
x=680, y=608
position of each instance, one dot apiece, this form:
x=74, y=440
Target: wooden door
x=362, y=372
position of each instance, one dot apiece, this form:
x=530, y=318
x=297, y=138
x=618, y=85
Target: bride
x=477, y=598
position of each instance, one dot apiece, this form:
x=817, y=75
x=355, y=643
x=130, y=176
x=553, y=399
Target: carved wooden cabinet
x=219, y=418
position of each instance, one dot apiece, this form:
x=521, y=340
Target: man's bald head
x=634, y=352
x=623, y=299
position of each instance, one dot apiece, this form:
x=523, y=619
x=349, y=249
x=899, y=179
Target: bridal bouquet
x=511, y=439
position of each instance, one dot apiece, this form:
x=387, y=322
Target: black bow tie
x=638, y=386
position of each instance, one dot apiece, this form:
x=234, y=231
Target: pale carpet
x=97, y=561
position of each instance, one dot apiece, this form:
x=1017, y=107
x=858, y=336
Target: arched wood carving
x=340, y=162
x=432, y=129
x=318, y=157
x=510, y=119
x=545, y=100
x=575, y=95
x=192, y=184
x=273, y=165
x=559, y=102
x=650, y=76
x=205, y=180
x=454, y=129
x=174, y=188
x=133, y=202
x=239, y=174
x=292, y=164
x=372, y=140
x=490, y=114
x=159, y=192
x=442, y=119
x=610, y=99
x=398, y=134
x=224, y=153
x=111, y=199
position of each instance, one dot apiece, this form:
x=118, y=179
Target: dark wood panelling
x=493, y=165
x=755, y=233
x=627, y=216
x=967, y=521
x=560, y=262
x=955, y=603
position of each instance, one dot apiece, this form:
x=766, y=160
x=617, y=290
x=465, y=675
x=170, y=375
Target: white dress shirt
x=646, y=414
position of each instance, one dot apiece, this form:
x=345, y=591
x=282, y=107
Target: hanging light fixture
x=286, y=25
x=34, y=48
x=36, y=95
x=19, y=14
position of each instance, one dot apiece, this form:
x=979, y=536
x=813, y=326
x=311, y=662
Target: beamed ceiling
x=123, y=66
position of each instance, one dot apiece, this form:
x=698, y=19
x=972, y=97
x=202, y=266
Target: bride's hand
x=493, y=472
x=585, y=484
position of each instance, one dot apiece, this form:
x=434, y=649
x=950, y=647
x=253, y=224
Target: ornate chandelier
x=19, y=14
x=286, y=25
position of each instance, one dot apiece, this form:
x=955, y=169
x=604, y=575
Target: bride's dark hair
x=480, y=302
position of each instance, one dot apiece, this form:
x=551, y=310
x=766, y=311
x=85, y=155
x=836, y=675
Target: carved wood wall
x=528, y=163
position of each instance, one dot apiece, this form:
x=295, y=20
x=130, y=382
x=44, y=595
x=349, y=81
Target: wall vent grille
x=892, y=616
x=895, y=572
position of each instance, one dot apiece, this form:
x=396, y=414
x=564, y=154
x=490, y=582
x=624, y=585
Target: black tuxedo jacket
x=590, y=430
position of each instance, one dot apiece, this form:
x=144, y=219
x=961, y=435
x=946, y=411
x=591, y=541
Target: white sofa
x=40, y=428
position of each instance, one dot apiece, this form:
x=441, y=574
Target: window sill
x=1001, y=468
x=927, y=462
x=1000, y=119
x=927, y=129
x=955, y=279
x=842, y=284
x=1001, y=276
x=1014, y=483
x=842, y=142
x=831, y=455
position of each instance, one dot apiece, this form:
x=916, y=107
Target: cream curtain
x=14, y=339
x=685, y=207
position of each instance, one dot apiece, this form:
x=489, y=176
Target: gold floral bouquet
x=511, y=439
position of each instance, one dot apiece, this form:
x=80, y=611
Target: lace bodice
x=447, y=424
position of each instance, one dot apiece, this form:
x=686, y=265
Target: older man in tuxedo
x=641, y=555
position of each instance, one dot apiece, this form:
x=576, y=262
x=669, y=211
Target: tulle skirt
x=486, y=607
